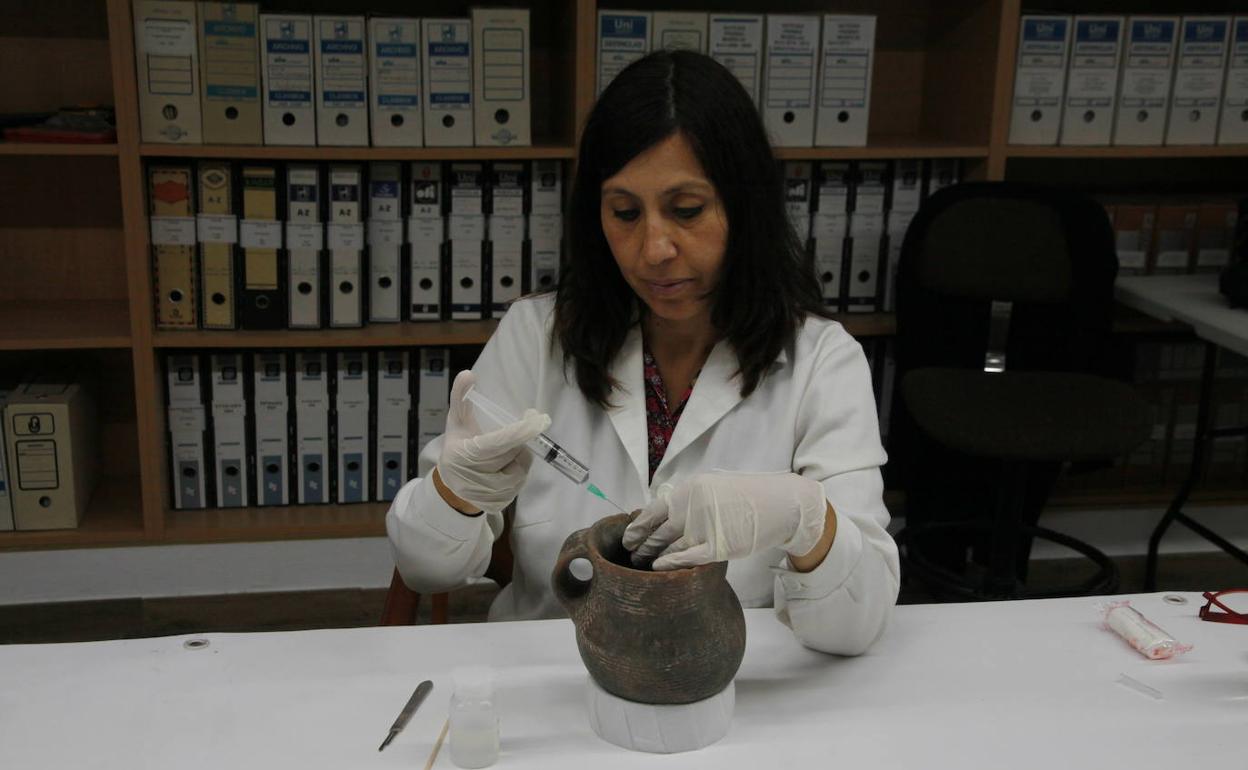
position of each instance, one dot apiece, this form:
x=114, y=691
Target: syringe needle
x=596, y=492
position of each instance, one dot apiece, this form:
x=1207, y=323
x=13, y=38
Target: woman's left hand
x=720, y=516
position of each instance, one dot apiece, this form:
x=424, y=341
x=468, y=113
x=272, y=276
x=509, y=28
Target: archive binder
x=167, y=62
x=545, y=224
x=187, y=432
x=228, y=402
x=798, y=194
x=846, y=70
x=52, y=442
x=1233, y=128
x=466, y=232
x=1040, y=79
x=341, y=81
x=385, y=242
x=866, y=235
x=506, y=231
x=831, y=227
x=229, y=57
x=217, y=227
x=173, y=237
x=351, y=412
x=345, y=236
x=502, y=82
x=684, y=30
x=1144, y=91
x=272, y=428
x=1092, y=81
x=394, y=423
x=264, y=301
x=623, y=38
x=446, y=46
x=1197, y=97
x=303, y=245
x=790, y=77
x=312, y=427
x=736, y=41
x=289, y=85
x=394, y=76
x=433, y=395
x=426, y=236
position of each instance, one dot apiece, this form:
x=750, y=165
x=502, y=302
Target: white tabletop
x=1191, y=299
x=999, y=685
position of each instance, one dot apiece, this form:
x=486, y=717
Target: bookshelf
x=75, y=272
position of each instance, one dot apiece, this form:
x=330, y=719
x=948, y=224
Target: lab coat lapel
x=716, y=392
x=628, y=411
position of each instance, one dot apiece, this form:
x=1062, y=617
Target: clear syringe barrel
x=542, y=445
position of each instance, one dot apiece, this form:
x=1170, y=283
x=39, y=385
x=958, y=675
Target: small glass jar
x=474, y=722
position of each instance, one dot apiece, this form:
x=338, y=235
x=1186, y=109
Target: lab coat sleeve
x=436, y=548
x=844, y=604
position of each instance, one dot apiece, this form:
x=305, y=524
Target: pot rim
x=652, y=575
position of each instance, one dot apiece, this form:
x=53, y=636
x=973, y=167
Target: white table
x=996, y=685
x=1195, y=301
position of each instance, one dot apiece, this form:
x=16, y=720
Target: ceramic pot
x=652, y=637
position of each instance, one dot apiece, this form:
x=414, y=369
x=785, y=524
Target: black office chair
x=1004, y=311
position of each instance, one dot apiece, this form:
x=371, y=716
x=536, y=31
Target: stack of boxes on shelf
x=268, y=428
x=224, y=73
x=1131, y=80
x=813, y=90
x=1174, y=236
x=307, y=246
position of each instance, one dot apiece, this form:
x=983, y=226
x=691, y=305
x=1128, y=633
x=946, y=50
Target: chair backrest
x=1050, y=253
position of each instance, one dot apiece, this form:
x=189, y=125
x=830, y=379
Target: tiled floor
x=131, y=618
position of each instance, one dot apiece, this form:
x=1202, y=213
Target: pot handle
x=569, y=589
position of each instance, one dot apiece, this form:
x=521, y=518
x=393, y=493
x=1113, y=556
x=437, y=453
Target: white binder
x=446, y=68
x=1148, y=58
x=846, y=67
x=271, y=404
x=229, y=57
x=341, y=81
x=385, y=242
x=289, y=85
x=433, y=396
x=303, y=210
x=351, y=408
x=502, y=77
x=312, y=427
x=1233, y=127
x=466, y=232
x=940, y=173
x=426, y=233
x=187, y=432
x=866, y=236
x=623, y=38
x=831, y=227
x=679, y=30
x=6, y=498
x=906, y=195
x=799, y=193
x=1197, y=96
x=790, y=77
x=736, y=41
x=229, y=430
x=394, y=419
x=166, y=54
x=545, y=224
x=344, y=236
x=1092, y=81
x=506, y=231
x=1039, y=79
x=394, y=79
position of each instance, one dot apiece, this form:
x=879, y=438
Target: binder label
x=173, y=231
x=304, y=236
x=217, y=228
x=384, y=233
x=260, y=234
x=346, y=236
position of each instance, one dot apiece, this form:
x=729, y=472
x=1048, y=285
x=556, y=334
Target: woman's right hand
x=485, y=470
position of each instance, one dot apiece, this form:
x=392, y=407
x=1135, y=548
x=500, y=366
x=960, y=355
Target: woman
x=684, y=358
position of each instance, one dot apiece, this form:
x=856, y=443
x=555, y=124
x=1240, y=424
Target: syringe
x=542, y=445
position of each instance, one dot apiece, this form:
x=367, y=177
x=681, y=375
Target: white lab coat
x=813, y=414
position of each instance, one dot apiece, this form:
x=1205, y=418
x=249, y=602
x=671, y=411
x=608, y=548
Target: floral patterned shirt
x=661, y=417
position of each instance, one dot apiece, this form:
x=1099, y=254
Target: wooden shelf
x=255, y=152
x=278, y=523
x=887, y=148
x=64, y=324
x=113, y=518
x=868, y=324
x=33, y=148
x=404, y=334
x=1114, y=153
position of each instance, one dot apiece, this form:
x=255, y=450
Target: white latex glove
x=485, y=469
x=721, y=516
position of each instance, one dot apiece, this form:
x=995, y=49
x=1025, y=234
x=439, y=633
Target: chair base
x=945, y=581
